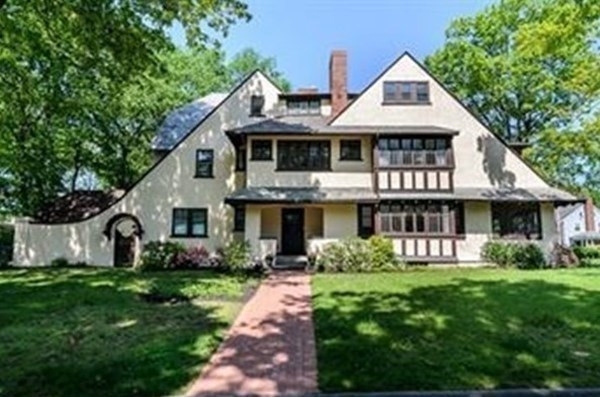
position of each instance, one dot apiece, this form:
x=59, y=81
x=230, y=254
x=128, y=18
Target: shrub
x=158, y=255
x=564, y=257
x=60, y=262
x=192, y=258
x=589, y=256
x=383, y=256
x=236, y=255
x=358, y=255
x=506, y=254
x=7, y=235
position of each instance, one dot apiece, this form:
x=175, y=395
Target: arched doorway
x=125, y=230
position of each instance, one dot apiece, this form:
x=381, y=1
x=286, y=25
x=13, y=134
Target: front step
x=289, y=262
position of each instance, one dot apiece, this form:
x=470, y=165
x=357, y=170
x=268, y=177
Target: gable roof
x=179, y=121
x=175, y=146
x=452, y=95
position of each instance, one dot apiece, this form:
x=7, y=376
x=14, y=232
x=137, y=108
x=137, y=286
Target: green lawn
x=458, y=329
x=90, y=332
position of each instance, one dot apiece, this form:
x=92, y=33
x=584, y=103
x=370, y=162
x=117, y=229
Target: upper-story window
x=406, y=92
x=204, y=163
x=414, y=152
x=257, y=104
x=303, y=106
x=303, y=155
x=261, y=149
x=350, y=150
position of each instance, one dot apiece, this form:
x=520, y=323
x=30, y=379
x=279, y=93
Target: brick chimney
x=589, y=215
x=338, y=81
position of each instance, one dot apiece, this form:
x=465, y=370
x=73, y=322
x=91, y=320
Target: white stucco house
x=579, y=224
x=290, y=172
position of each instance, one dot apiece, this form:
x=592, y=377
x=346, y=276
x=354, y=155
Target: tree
x=248, y=60
x=527, y=68
x=58, y=62
x=524, y=65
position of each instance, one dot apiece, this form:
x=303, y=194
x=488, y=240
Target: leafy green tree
x=60, y=61
x=524, y=65
x=248, y=60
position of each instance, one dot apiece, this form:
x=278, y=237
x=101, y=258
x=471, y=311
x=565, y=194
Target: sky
x=300, y=34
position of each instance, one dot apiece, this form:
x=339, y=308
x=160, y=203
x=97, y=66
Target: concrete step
x=288, y=262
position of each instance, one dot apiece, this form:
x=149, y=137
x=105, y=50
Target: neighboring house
x=579, y=224
x=292, y=172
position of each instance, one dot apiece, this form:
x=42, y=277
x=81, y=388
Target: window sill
x=409, y=103
x=204, y=176
x=304, y=170
x=255, y=159
x=258, y=115
x=351, y=159
x=188, y=236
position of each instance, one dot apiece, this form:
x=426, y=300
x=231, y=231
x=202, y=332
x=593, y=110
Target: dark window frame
x=285, y=158
x=344, y=154
x=313, y=107
x=434, y=151
x=189, y=217
x=505, y=214
x=257, y=104
x=404, y=218
x=256, y=153
x=212, y=164
x=366, y=231
x=239, y=218
x=394, y=92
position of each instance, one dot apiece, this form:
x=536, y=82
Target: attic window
x=406, y=92
x=257, y=104
x=303, y=106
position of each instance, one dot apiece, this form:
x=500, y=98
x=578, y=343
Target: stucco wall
x=342, y=174
x=170, y=184
x=481, y=159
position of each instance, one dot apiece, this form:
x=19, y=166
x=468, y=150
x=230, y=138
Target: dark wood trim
x=355, y=140
x=413, y=93
x=212, y=164
x=188, y=233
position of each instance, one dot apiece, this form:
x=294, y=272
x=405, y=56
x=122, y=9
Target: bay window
x=414, y=152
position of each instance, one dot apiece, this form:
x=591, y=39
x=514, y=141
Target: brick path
x=270, y=349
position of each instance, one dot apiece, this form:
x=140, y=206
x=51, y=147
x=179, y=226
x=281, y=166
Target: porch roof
x=300, y=195
x=542, y=194
x=306, y=125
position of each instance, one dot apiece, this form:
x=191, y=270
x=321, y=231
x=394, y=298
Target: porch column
x=252, y=228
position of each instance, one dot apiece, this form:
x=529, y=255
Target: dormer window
x=257, y=104
x=406, y=92
x=303, y=106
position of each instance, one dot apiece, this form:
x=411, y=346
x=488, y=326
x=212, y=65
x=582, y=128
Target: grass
x=458, y=329
x=92, y=332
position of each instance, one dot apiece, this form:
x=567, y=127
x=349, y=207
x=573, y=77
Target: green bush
x=589, y=256
x=60, y=262
x=7, y=236
x=358, y=255
x=506, y=254
x=236, y=256
x=159, y=255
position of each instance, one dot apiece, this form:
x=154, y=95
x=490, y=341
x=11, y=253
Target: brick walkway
x=270, y=349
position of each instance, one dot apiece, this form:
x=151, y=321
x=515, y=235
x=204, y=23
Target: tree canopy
x=84, y=85
x=527, y=68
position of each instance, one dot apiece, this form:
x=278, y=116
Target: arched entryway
x=125, y=230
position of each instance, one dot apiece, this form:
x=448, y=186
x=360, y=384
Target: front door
x=124, y=249
x=292, y=231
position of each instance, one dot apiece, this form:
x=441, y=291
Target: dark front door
x=124, y=249
x=292, y=231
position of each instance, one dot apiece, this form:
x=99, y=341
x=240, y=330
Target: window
x=410, y=152
x=303, y=106
x=240, y=159
x=350, y=150
x=417, y=218
x=261, y=150
x=303, y=155
x=189, y=222
x=257, y=103
x=239, y=218
x=408, y=92
x=516, y=220
x=366, y=227
x=204, y=163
